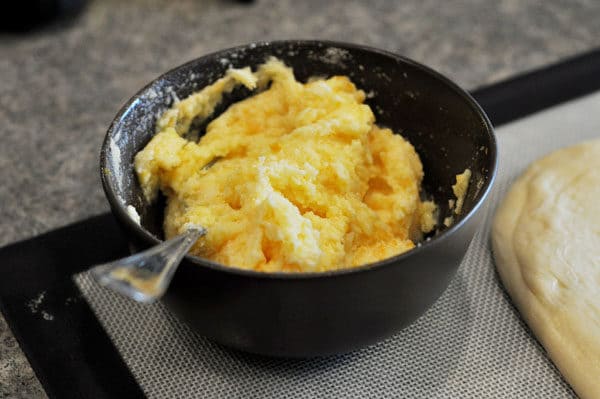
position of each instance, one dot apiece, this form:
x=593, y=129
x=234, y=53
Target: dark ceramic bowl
x=313, y=314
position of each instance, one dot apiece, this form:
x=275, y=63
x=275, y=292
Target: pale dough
x=546, y=241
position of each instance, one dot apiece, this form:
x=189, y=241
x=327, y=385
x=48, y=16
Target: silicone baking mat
x=85, y=342
x=471, y=343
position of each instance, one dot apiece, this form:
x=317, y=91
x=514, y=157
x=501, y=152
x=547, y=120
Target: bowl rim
x=119, y=210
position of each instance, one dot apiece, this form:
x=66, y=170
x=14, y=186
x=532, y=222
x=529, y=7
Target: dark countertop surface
x=62, y=85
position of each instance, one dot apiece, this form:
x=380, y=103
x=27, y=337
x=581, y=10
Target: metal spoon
x=145, y=276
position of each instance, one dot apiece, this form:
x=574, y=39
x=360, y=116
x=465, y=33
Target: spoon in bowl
x=145, y=276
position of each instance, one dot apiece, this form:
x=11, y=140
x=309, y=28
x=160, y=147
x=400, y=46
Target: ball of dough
x=546, y=242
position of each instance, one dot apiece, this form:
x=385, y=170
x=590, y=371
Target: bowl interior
x=447, y=128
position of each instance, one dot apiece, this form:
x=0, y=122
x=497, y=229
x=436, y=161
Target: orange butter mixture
x=296, y=178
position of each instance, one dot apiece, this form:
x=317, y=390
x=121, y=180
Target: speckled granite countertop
x=61, y=86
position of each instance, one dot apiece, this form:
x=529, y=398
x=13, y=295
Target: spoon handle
x=145, y=276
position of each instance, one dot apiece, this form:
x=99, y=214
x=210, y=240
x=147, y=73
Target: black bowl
x=312, y=314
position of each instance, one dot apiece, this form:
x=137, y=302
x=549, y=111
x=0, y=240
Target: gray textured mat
x=470, y=344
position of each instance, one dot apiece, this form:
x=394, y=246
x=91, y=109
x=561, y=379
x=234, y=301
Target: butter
x=305, y=180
